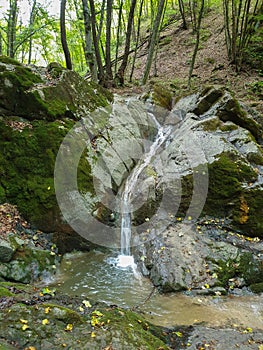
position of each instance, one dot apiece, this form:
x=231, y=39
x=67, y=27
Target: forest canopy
x=101, y=38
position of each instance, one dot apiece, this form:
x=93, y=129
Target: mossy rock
x=162, y=96
x=27, y=170
x=226, y=175
x=29, y=94
x=257, y=287
x=64, y=321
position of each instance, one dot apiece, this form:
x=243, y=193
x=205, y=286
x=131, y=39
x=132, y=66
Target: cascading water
x=125, y=258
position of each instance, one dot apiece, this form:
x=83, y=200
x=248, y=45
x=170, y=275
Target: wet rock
x=186, y=258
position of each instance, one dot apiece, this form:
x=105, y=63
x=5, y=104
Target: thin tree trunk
x=88, y=42
x=137, y=39
x=118, y=36
x=182, y=12
x=121, y=70
x=63, y=34
x=11, y=28
x=109, y=76
x=153, y=41
x=201, y=11
x=31, y=23
x=101, y=76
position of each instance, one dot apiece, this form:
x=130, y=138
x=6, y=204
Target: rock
x=6, y=251
x=64, y=320
x=183, y=258
x=32, y=130
x=29, y=264
x=48, y=94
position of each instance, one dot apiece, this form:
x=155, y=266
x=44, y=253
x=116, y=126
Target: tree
x=88, y=42
x=120, y=74
x=31, y=23
x=63, y=34
x=153, y=40
x=101, y=75
x=197, y=30
x=109, y=76
x=11, y=28
x=240, y=18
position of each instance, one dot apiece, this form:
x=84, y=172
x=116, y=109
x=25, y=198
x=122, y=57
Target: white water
x=125, y=259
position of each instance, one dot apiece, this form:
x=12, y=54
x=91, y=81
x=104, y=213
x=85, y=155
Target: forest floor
x=212, y=66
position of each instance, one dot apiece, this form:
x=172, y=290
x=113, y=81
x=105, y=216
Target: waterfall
x=125, y=259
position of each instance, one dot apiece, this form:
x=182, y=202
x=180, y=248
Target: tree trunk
x=198, y=26
x=121, y=70
x=153, y=40
x=31, y=23
x=137, y=39
x=11, y=28
x=63, y=34
x=109, y=76
x=182, y=12
x=118, y=36
x=101, y=76
x=88, y=42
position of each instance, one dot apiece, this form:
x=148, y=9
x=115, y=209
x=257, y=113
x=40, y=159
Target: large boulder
x=38, y=107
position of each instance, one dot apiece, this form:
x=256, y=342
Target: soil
x=212, y=66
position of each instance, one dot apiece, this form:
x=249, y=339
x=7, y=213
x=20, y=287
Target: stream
x=96, y=276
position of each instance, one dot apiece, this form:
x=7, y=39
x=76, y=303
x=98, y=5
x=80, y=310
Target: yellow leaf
x=250, y=330
x=81, y=309
x=49, y=188
x=86, y=303
x=260, y=347
x=69, y=327
x=93, y=335
x=207, y=285
x=25, y=327
x=23, y=321
x=179, y=334
x=31, y=348
x=45, y=321
x=47, y=309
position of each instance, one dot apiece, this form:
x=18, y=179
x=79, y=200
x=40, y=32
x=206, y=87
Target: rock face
x=211, y=168
x=39, y=107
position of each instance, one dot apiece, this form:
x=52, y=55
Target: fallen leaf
x=47, y=309
x=25, y=327
x=45, y=321
x=86, y=303
x=93, y=335
x=23, y=321
x=69, y=327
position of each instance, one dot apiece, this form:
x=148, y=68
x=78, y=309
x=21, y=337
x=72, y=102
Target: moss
x=243, y=266
x=257, y=287
x=4, y=292
x=162, y=96
x=211, y=124
x=27, y=168
x=62, y=313
x=225, y=184
x=9, y=60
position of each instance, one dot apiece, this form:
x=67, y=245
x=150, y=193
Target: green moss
x=243, y=266
x=257, y=287
x=4, y=292
x=225, y=184
x=62, y=313
x=211, y=124
x=27, y=168
x=9, y=60
x=209, y=95
x=162, y=96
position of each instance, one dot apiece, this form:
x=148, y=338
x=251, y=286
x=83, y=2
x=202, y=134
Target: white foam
x=125, y=261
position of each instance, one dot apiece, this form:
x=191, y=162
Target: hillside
x=212, y=65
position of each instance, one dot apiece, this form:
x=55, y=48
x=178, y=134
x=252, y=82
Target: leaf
x=47, y=309
x=86, y=303
x=93, y=335
x=81, y=309
x=46, y=290
x=69, y=327
x=49, y=188
x=179, y=334
x=260, y=347
x=25, y=327
x=45, y=321
x=97, y=313
x=23, y=321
